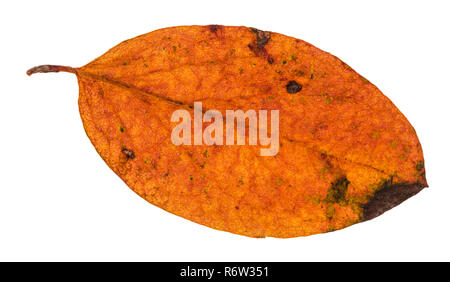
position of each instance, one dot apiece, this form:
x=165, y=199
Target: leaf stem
x=51, y=68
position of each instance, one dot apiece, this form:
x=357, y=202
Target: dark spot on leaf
x=293, y=87
x=299, y=73
x=262, y=37
x=214, y=28
x=257, y=46
x=389, y=196
x=128, y=153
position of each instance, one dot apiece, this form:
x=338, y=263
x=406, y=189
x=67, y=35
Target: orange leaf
x=346, y=154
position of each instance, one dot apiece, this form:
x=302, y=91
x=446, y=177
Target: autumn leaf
x=346, y=153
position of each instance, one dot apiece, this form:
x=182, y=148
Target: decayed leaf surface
x=346, y=155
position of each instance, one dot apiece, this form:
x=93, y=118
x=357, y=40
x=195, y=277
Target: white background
x=59, y=200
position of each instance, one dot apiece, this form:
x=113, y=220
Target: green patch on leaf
x=338, y=191
x=393, y=144
x=279, y=180
x=375, y=134
x=419, y=165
